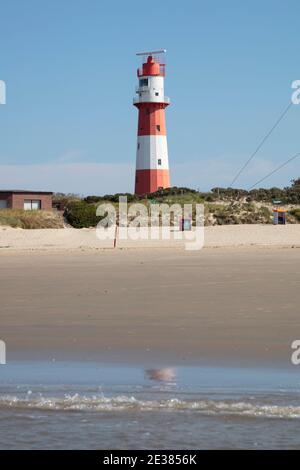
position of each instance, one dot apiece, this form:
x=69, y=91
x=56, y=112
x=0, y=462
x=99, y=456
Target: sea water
x=70, y=405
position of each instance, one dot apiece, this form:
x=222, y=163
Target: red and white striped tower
x=152, y=165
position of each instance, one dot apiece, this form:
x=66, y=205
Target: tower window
x=143, y=81
x=159, y=161
x=138, y=145
x=158, y=127
x=156, y=94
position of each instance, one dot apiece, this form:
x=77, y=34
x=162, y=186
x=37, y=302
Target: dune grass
x=19, y=218
x=295, y=213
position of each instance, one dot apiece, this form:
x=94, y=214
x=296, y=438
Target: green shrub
x=81, y=214
x=295, y=213
x=266, y=213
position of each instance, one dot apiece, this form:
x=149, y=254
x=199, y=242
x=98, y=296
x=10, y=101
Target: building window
x=159, y=161
x=32, y=204
x=158, y=127
x=143, y=82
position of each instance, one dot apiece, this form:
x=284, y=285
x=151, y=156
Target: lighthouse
x=152, y=163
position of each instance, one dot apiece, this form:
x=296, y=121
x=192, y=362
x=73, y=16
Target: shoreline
x=141, y=360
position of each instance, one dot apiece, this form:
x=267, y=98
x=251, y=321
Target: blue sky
x=70, y=71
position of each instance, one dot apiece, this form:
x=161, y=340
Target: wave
x=120, y=403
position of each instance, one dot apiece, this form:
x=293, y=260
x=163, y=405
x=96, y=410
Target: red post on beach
x=115, y=239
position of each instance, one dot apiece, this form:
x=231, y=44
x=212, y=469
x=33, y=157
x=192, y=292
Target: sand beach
x=237, y=299
x=70, y=239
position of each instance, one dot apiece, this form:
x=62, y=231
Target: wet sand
x=173, y=306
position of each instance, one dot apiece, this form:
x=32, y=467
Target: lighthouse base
x=149, y=181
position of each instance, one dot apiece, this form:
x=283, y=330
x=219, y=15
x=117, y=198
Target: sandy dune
x=85, y=239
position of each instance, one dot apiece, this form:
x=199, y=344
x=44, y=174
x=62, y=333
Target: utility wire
x=261, y=143
x=274, y=171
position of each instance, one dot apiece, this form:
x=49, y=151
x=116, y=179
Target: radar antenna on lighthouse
x=152, y=165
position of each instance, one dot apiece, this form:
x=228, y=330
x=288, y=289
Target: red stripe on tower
x=152, y=165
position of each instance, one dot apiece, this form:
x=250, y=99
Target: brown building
x=28, y=200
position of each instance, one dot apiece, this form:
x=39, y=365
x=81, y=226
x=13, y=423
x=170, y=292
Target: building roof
x=24, y=191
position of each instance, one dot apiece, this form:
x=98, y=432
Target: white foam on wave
x=98, y=403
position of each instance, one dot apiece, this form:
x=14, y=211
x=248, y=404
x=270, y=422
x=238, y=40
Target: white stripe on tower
x=152, y=152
